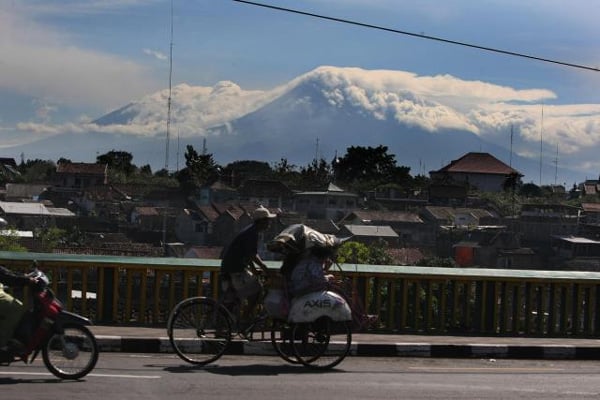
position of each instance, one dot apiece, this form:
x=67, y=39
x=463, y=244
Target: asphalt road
x=121, y=376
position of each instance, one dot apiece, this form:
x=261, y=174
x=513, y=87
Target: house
x=409, y=226
x=195, y=226
x=146, y=218
x=78, y=176
x=590, y=214
x=29, y=216
x=269, y=193
x=332, y=203
x=392, y=196
x=460, y=217
x=285, y=219
x=218, y=192
x=576, y=252
x=479, y=170
x=537, y=223
x=590, y=187
x=231, y=220
x=8, y=169
x=568, y=247
x=589, y=221
x=24, y=191
x=451, y=224
x=494, y=247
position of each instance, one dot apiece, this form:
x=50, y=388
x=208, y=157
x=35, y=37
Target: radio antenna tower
x=164, y=222
x=169, y=99
x=541, y=143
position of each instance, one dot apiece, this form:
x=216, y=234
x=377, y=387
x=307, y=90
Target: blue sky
x=69, y=61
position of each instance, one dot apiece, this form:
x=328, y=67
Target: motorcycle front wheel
x=72, y=354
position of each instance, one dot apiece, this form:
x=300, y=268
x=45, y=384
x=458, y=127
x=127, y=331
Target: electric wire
x=419, y=35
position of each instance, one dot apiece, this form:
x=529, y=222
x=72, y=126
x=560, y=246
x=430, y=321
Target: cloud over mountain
x=425, y=120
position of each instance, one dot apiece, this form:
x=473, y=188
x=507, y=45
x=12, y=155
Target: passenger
x=308, y=254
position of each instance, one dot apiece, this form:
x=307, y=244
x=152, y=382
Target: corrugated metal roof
x=60, y=212
x=576, y=239
x=10, y=207
x=444, y=213
x=389, y=216
x=371, y=230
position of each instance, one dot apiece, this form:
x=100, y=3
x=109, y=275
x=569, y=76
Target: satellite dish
x=3, y=222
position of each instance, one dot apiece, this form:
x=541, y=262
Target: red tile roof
x=591, y=207
x=479, y=163
x=81, y=168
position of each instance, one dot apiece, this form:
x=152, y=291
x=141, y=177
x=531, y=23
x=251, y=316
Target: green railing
x=407, y=299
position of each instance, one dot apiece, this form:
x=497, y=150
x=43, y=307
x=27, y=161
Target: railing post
x=108, y=292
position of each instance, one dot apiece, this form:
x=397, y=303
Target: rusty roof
x=81, y=168
x=479, y=163
x=591, y=207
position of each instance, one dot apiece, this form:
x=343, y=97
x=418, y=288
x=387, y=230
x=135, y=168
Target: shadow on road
x=248, y=370
x=15, y=381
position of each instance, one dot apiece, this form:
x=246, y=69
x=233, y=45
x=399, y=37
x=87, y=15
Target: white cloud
x=435, y=103
x=156, y=54
x=42, y=62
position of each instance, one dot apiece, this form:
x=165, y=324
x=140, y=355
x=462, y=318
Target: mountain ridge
x=318, y=114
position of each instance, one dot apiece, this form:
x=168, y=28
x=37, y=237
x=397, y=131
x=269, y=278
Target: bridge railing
x=407, y=299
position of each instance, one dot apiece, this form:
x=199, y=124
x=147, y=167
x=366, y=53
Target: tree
x=366, y=167
x=316, y=174
x=353, y=252
x=146, y=170
x=378, y=254
x=359, y=253
x=437, y=262
x=9, y=241
x=117, y=161
x=530, y=190
x=200, y=169
x=235, y=173
x=50, y=237
x=37, y=170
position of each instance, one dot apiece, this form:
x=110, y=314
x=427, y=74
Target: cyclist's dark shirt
x=240, y=251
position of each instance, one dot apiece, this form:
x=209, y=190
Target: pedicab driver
x=241, y=265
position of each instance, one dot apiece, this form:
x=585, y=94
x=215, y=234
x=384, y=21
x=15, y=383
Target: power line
x=422, y=36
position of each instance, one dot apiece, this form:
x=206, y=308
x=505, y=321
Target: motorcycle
x=69, y=349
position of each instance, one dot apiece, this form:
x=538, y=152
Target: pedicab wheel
x=71, y=354
x=322, y=344
x=281, y=339
x=199, y=330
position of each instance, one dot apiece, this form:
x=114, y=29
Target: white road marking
x=483, y=369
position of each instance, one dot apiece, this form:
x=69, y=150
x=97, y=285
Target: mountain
x=318, y=114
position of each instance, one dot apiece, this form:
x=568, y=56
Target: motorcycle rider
x=11, y=309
